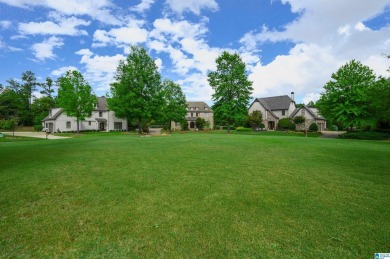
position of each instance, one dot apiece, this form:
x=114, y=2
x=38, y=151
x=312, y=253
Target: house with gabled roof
x=196, y=110
x=102, y=119
x=277, y=107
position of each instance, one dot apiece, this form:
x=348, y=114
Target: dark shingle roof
x=276, y=102
x=55, y=116
x=200, y=105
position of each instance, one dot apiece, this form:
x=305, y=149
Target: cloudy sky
x=288, y=45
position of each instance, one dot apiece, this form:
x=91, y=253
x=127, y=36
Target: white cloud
x=44, y=50
x=132, y=34
x=97, y=9
x=326, y=36
x=99, y=70
x=194, y=6
x=143, y=6
x=62, y=70
x=5, y=24
x=65, y=26
x=311, y=97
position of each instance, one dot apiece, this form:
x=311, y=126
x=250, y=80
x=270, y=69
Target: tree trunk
x=139, y=126
x=78, y=123
x=228, y=131
x=170, y=126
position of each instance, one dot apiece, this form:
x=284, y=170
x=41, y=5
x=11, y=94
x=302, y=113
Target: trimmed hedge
x=243, y=129
x=366, y=135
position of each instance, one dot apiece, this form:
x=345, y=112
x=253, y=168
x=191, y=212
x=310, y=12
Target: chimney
x=292, y=96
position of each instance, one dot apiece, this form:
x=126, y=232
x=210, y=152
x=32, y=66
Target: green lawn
x=195, y=195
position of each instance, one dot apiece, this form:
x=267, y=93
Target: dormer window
x=196, y=108
x=100, y=114
x=206, y=109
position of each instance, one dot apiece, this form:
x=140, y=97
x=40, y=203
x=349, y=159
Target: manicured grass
x=195, y=195
x=10, y=138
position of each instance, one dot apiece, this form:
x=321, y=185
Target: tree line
x=354, y=97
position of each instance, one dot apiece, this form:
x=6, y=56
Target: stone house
x=277, y=107
x=195, y=110
x=102, y=119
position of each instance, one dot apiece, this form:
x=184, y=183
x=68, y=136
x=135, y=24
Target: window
x=197, y=114
x=117, y=125
x=192, y=114
x=191, y=108
x=283, y=112
x=68, y=125
x=197, y=108
x=206, y=109
x=100, y=114
x=89, y=123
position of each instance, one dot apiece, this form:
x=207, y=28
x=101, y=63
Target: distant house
x=195, y=110
x=277, y=107
x=102, y=119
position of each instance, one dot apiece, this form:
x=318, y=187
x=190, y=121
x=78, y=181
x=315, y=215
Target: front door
x=102, y=126
x=192, y=125
x=51, y=127
x=271, y=125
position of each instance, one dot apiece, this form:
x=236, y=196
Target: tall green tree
x=40, y=107
x=345, y=100
x=136, y=93
x=75, y=96
x=175, y=104
x=232, y=88
x=380, y=103
x=11, y=103
x=47, y=88
x=25, y=89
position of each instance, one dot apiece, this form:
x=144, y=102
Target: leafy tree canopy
x=175, y=108
x=136, y=93
x=346, y=97
x=75, y=96
x=232, y=88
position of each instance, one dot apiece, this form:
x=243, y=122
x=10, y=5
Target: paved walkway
x=331, y=134
x=33, y=134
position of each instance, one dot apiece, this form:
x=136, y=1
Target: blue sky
x=287, y=45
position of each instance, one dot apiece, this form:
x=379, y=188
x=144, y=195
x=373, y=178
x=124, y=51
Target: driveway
x=331, y=134
x=33, y=134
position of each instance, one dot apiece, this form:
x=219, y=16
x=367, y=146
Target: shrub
x=200, y=123
x=313, y=127
x=243, y=129
x=38, y=127
x=286, y=124
x=366, y=135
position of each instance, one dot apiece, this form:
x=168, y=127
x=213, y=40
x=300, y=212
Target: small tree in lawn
x=232, y=88
x=300, y=122
x=255, y=119
x=75, y=96
x=136, y=92
x=200, y=123
x=175, y=108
